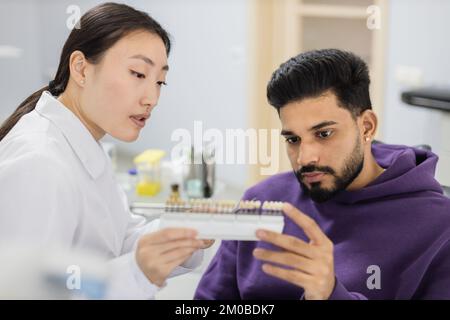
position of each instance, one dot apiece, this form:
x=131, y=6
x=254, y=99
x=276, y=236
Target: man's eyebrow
x=315, y=127
x=287, y=133
x=322, y=124
x=148, y=61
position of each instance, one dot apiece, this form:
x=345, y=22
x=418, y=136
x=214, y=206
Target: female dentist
x=56, y=183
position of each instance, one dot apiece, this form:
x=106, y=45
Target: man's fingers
x=285, y=258
x=308, y=225
x=293, y=276
x=287, y=242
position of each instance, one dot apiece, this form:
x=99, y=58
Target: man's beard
x=352, y=168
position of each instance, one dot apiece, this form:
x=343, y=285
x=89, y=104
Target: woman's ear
x=369, y=123
x=77, y=66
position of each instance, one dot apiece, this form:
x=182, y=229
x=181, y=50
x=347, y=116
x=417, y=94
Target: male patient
x=365, y=220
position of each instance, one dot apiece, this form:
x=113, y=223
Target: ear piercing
x=367, y=138
x=82, y=81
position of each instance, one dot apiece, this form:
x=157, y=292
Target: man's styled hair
x=311, y=74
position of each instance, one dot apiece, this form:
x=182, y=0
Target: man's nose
x=307, y=155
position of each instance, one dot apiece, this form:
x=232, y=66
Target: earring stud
x=82, y=81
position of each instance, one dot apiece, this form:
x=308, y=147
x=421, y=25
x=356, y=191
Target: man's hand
x=158, y=253
x=310, y=265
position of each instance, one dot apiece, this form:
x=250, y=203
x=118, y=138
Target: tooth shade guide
x=250, y=207
x=223, y=226
x=220, y=219
x=200, y=206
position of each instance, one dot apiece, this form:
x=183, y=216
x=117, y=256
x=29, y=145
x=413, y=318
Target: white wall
x=208, y=70
x=19, y=77
x=418, y=37
x=208, y=74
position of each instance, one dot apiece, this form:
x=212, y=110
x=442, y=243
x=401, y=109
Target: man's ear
x=368, y=125
x=77, y=65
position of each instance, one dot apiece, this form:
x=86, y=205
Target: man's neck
x=370, y=171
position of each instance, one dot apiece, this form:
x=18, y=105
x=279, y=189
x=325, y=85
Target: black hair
x=100, y=28
x=311, y=74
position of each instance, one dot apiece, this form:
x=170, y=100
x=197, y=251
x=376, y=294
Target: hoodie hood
x=408, y=170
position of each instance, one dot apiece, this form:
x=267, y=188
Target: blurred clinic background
x=224, y=52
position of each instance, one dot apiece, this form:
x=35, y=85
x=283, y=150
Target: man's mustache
x=312, y=168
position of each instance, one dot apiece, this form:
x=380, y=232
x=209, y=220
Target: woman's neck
x=73, y=105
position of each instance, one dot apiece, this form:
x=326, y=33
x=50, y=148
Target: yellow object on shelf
x=149, y=172
x=148, y=188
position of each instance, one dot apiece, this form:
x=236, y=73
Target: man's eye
x=292, y=140
x=161, y=83
x=138, y=75
x=324, y=134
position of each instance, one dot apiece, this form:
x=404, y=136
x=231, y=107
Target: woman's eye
x=324, y=134
x=138, y=75
x=161, y=83
x=292, y=140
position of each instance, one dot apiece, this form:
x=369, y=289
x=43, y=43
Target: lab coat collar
x=87, y=149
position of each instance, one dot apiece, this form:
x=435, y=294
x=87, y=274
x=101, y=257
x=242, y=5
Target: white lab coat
x=57, y=187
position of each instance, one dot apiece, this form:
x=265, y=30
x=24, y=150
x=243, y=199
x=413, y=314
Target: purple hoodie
x=400, y=223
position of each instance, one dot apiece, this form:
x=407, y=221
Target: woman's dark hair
x=99, y=29
x=312, y=73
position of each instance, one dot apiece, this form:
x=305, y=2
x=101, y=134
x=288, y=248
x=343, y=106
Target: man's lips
x=311, y=177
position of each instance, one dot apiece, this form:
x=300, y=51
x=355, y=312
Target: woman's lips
x=138, y=121
x=313, y=177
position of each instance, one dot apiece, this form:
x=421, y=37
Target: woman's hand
x=158, y=253
x=207, y=243
x=310, y=265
